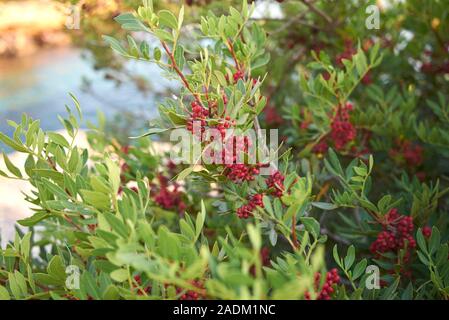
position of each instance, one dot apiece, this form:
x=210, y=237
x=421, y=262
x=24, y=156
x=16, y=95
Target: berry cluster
x=342, y=130
x=321, y=147
x=225, y=124
x=413, y=154
x=239, y=172
x=264, y=259
x=332, y=278
x=397, y=235
x=427, y=231
x=124, y=169
x=409, y=152
x=276, y=181
x=190, y=294
x=272, y=117
x=168, y=195
x=235, y=171
x=347, y=53
x=141, y=292
x=239, y=74
x=265, y=256
x=198, y=114
x=246, y=211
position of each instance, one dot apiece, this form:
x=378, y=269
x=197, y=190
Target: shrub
x=139, y=226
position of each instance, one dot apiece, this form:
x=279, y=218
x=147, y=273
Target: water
x=39, y=84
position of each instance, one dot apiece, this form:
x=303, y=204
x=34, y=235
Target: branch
x=179, y=72
x=231, y=49
x=319, y=12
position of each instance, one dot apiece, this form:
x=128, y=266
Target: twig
x=294, y=236
x=179, y=72
x=231, y=49
x=313, y=8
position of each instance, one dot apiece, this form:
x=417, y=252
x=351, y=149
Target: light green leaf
x=168, y=19
x=4, y=294
x=11, y=167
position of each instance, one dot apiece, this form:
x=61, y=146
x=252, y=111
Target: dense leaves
x=359, y=185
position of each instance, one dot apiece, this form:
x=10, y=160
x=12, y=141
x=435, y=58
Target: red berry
x=276, y=181
x=427, y=231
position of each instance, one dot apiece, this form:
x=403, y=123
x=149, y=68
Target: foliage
x=364, y=123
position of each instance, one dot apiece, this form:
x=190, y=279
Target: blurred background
x=49, y=48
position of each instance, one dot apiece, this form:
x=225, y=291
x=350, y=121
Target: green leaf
x=168, y=244
x=390, y=292
x=111, y=293
x=3, y=174
x=88, y=284
x=168, y=19
x=145, y=50
x=47, y=279
x=114, y=175
x=119, y=275
x=221, y=78
x=13, y=144
x=421, y=241
x=96, y=199
x=360, y=171
x=179, y=56
x=77, y=105
x=423, y=258
x=261, y=61
x=435, y=238
x=324, y=205
x=4, y=294
x=254, y=237
x=125, y=18
x=163, y=35
x=21, y=283
x=267, y=205
x=200, y=220
x=335, y=255
x=157, y=54
x=115, y=45
x=116, y=224
x=177, y=119
x=359, y=269
x=56, y=269
x=180, y=17
x=34, y=219
x=11, y=167
x=25, y=246
x=151, y=132
x=184, y=173
x=291, y=211
x=58, y=139
x=350, y=257
x=311, y=225
x=15, y=289
x=186, y=229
